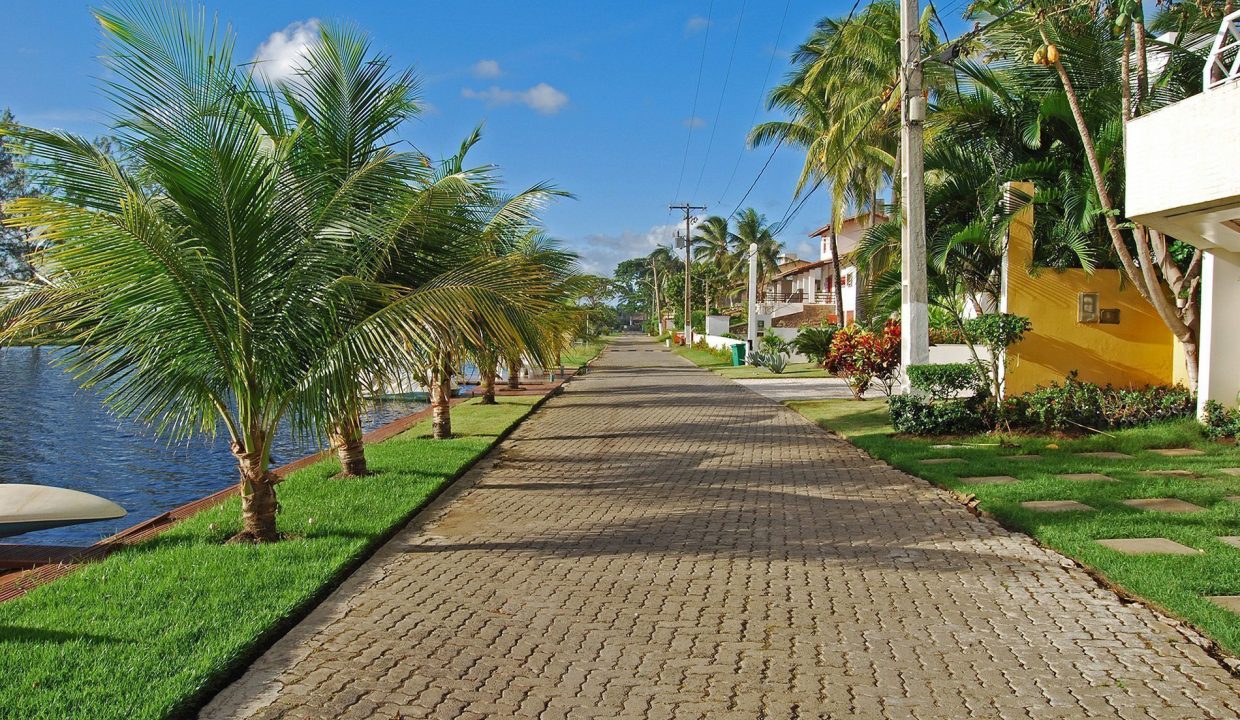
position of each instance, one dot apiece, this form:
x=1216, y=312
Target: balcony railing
x=1223, y=63
x=800, y=296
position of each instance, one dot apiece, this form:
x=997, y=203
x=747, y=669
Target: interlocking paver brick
x=658, y=542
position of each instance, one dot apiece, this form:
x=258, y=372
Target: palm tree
x=1101, y=90
x=715, y=253
x=751, y=228
x=844, y=112
x=213, y=280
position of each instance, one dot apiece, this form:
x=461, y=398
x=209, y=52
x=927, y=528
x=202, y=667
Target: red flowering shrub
x=860, y=357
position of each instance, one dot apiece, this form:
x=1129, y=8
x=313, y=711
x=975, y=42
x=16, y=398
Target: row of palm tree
x=719, y=265
x=1001, y=112
x=265, y=254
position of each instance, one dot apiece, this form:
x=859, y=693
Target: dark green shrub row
x=1068, y=407
x=1074, y=405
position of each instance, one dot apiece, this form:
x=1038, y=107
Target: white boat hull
x=26, y=508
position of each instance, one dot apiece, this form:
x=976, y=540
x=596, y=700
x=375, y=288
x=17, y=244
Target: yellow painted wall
x=1140, y=350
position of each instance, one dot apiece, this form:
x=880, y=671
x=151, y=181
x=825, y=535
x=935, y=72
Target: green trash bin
x=738, y=354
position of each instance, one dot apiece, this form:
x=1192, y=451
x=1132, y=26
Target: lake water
x=54, y=433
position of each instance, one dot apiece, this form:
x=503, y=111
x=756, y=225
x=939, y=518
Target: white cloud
x=282, y=52
x=600, y=254
x=697, y=23
x=542, y=98
x=694, y=122
x=487, y=69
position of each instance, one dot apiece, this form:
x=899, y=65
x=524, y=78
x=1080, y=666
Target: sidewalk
x=659, y=543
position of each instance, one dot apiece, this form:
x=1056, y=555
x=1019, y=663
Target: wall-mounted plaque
x=1109, y=316
x=1087, y=307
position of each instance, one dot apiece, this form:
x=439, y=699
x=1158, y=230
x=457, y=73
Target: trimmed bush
x=915, y=416
x=1221, y=421
x=945, y=381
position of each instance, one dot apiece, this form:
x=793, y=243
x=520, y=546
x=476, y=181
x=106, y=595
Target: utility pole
x=751, y=332
x=914, y=316
x=689, y=219
x=658, y=310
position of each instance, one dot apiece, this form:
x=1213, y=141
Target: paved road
x=660, y=543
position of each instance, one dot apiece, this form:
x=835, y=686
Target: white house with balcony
x=804, y=292
x=1183, y=179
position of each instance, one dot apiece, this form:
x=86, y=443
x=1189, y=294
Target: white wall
x=720, y=343
x=943, y=354
x=1181, y=165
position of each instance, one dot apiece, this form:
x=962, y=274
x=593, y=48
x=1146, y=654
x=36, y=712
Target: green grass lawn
x=581, y=354
x=722, y=364
x=752, y=372
x=1177, y=584
x=152, y=630
x=712, y=359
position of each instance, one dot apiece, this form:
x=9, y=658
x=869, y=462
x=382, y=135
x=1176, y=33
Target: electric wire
x=766, y=78
x=723, y=93
x=834, y=39
x=696, y=92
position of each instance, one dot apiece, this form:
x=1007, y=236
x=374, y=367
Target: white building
x=1183, y=179
x=804, y=292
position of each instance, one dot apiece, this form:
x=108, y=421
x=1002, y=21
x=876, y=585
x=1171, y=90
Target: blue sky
x=594, y=96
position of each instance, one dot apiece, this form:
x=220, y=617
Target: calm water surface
x=54, y=433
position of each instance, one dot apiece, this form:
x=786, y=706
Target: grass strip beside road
x=721, y=362
x=152, y=630
x=1178, y=584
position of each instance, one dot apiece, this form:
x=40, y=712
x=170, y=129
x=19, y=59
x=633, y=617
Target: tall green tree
x=15, y=183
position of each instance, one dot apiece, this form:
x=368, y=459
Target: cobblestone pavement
x=658, y=542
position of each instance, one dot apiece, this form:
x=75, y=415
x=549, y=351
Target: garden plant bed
x=154, y=628
x=1179, y=585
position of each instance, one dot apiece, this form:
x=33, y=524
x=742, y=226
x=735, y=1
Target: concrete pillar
x=1218, y=369
x=752, y=332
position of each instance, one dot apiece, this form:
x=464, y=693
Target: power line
x=696, y=91
x=766, y=77
x=790, y=213
x=723, y=93
x=834, y=39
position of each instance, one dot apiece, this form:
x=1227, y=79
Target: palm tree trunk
x=1142, y=275
x=835, y=271
x=346, y=440
x=514, y=372
x=487, y=373
x=258, y=493
x=441, y=402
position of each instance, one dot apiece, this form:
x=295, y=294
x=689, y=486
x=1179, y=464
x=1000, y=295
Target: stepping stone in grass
x=1230, y=471
x=1148, y=546
x=1227, y=602
x=1105, y=455
x=989, y=480
x=1171, y=505
x=942, y=447
x=1168, y=473
x=1177, y=452
x=1055, y=505
x=1232, y=498
x=1022, y=457
x=940, y=461
x=1232, y=540
x=1087, y=477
